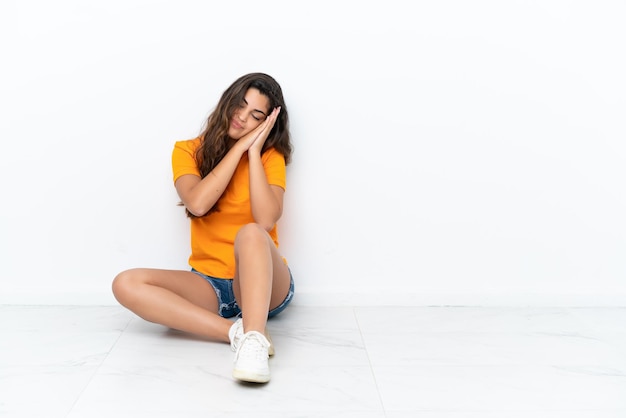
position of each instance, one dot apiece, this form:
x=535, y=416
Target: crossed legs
x=184, y=301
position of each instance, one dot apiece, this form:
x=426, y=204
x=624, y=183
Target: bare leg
x=262, y=279
x=177, y=299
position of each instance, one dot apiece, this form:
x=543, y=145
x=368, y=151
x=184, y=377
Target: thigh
x=185, y=284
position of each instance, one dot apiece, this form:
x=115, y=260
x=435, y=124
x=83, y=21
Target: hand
x=254, y=140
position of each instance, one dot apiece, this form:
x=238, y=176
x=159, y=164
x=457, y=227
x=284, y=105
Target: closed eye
x=257, y=114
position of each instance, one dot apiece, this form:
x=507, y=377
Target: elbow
x=267, y=218
x=267, y=223
x=197, y=210
x=267, y=226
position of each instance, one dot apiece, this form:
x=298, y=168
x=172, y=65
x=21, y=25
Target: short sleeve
x=183, y=158
x=275, y=168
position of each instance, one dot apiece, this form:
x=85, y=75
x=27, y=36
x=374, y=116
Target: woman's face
x=251, y=112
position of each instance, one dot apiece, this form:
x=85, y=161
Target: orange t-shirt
x=213, y=236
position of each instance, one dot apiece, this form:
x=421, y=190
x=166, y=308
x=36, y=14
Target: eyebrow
x=254, y=110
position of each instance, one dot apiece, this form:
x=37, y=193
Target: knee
x=124, y=284
x=251, y=233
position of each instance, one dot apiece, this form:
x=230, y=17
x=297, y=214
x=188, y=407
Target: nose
x=241, y=116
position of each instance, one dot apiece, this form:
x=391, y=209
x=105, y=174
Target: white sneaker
x=252, y=358
x=236, y=332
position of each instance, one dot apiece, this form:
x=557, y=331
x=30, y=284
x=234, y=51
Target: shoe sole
x=247, y=376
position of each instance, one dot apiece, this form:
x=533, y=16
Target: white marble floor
x=362, y=362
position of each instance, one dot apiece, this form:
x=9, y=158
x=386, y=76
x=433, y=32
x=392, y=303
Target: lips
x=236, y=124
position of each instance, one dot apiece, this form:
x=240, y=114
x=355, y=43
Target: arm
x=199, y=195
x=266, y=201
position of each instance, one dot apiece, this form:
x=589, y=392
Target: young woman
x=231, y=181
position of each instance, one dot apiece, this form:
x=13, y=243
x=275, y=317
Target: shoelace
x=256, y=348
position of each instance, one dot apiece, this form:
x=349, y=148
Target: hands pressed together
x=254, y=140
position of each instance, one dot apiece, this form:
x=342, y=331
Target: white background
x=447, y=152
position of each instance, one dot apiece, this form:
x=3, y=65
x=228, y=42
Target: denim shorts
x=226, y=297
